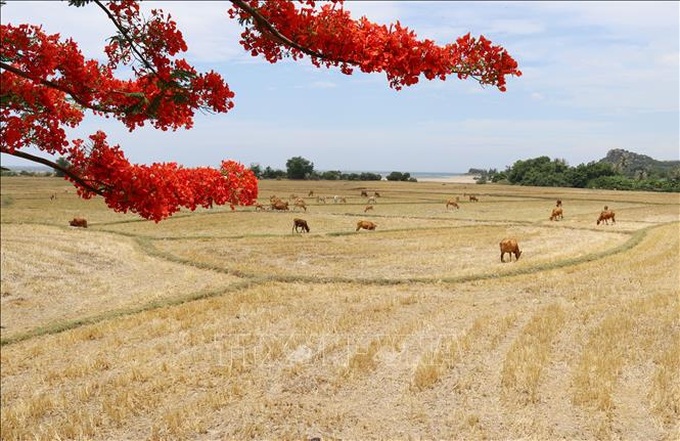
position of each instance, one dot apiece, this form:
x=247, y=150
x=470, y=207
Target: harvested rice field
x=228, y=325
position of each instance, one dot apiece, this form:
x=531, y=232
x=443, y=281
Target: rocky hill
x=633, y=164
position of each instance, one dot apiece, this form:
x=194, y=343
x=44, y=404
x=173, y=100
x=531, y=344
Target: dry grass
x=529, y=354
x=224, y=325
x=52, y=275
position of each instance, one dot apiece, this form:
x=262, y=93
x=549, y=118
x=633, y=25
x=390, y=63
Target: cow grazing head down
x=606, y=216
x=366, y=225
x=557, y=213
x=511, y=247
x=300, y=224
x=78, y=222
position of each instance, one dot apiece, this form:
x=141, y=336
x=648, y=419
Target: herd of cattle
x=508, y=246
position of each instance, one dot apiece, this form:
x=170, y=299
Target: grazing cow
x=280, y=205
x=376, y=194
x=371, y=200
x=259, y=207
x=473, y=198
x=320, y=199
x=511, y=247
x=605, y=216
x=556, y=213
x=364, y=194
x=558, y=203
x=311, y=193
x=368, y=207
x=452, y=203
x=300, y=224
x=78, y=222
x=366, y=225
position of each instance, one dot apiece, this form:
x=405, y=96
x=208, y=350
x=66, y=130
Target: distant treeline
x=619, y=170
x=37, y=173
x=301, y=168
x=545, y=172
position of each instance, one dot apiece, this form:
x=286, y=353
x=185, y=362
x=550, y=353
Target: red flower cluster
x=332, y=38
x=47, y=84
x=158, y=190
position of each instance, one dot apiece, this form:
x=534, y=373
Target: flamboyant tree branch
x=55, y=86
x=47, y=84
x=124, y=32
x=265, y=26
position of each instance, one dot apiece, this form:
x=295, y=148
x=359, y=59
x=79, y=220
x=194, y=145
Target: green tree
x=270, y=173
x=299, y=168
x=257, y=170
x=331, y=175
x=64, y=166
x=540, y=172
x=582, y=174
x=370, y=177
x=399, y=176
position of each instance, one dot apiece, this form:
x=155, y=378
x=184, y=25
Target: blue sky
x=597, y=76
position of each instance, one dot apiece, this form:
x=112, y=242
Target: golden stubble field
x=221, y=325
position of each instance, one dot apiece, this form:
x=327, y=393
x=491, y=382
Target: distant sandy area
x=462, y=179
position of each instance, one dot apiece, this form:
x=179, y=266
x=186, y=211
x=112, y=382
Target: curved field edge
x=633, y=240
x=146, y=245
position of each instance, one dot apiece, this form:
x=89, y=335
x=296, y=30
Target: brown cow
x=605, y=216
x=556, y=213
x=452, y=203
x=558, y=203
x=368, y=207
x=364, y=194
x=300, y=224
x=473, y=198
x=78, y=222
x=511, y=247
x=366, y=225
x=280, y=205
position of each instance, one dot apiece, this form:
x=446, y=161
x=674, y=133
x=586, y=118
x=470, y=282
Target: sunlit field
x=220, y=324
